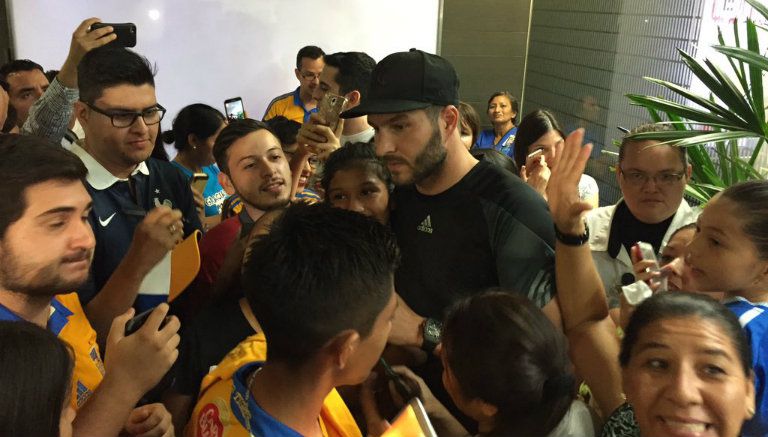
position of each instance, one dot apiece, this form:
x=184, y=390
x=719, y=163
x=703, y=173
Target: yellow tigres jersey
x=288, y=105
x=78, y=333
x=225, y=408
x=67, y=321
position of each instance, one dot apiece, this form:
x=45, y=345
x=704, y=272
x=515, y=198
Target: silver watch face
x=432, y=330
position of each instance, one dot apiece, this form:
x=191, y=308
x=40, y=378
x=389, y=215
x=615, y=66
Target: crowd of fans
x=475, y=264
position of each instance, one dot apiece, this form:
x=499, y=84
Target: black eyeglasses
x=150, y=116
x=639, y=179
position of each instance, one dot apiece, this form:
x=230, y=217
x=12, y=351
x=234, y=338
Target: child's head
x=729, y=252
x=673, y=253
x=470, y=124
x=356, y=180
x=506, y=364
x=321, y=286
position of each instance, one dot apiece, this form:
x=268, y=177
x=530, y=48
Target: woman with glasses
x=652, y=178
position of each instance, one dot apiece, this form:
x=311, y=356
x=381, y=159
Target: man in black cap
x=463, y=226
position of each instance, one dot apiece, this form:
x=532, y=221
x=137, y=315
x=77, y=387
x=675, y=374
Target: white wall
x=210, y=50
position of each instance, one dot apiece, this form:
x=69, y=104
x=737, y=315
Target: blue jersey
x=213, y=194
x=754, y=320
x=505, y=144
x=118, y=208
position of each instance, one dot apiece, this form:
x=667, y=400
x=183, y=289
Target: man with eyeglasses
x=142, y=207
x=652, y=179
x=297, y=105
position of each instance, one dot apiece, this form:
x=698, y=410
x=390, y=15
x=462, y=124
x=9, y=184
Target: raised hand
x=83, y=41
x=563, y=188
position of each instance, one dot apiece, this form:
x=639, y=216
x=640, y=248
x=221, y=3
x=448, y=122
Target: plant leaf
x=731, y=95
x=755, y=74
x=701, y=101
x=694, y=114
x=759, y=7
x=716, y=136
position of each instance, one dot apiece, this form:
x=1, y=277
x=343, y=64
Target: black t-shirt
x=489, y=230
x=205, y=341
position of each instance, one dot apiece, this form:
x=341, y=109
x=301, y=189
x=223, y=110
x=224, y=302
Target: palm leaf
x=701, y=101
x=755, y=74
x=731, y=95
x=693, y=114
x=759, y=7
x=738, y=71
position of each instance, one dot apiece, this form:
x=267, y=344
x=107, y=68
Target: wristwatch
x=573, y=240
x=432, y=331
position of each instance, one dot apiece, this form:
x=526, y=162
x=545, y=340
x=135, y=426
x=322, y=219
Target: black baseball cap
x=406, y=81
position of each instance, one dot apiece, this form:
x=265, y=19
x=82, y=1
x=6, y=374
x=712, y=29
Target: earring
x=751, y=411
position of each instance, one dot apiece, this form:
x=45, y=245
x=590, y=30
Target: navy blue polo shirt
x=118, y=207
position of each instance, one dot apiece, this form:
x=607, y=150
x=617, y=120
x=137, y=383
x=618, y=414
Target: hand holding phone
x=137, y=322
x=126, y=33
x=647, y=267
x=329, y=108
x=137, y=362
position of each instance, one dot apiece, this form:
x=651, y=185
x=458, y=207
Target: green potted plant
x=734, y=111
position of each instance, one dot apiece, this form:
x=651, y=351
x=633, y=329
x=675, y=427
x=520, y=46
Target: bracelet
x=573, y=240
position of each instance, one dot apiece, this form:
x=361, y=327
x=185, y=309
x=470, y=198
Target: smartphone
x=234, y=108
x=329, y=108
x=647, y=253
x=126, y=33
x=135, y=323
x=199, y=181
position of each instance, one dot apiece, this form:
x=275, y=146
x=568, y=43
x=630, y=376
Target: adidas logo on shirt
x=425, y=226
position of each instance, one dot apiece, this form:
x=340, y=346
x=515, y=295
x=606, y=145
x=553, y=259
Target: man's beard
x=428, y=163
x=46, y=281
x=266, y=203
x=430, y=160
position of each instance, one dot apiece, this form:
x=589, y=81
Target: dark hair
x=534, y=125
x=752, y=199
x=51, y=74
x=470, y=118
x=10, y=119
x=36, y=376
x=197, y=119
x=360, y=156
x=355, y=70
x=235, y=130
x=284, y=129
x=111, y=66
x=29, y=160
x=311, y=52
x=680, y=304
x=319, y=271
x=495, y=157
x=158, y=152
x=523, y=370
x=19, y=65
x=650, y=127
x=512, y=101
